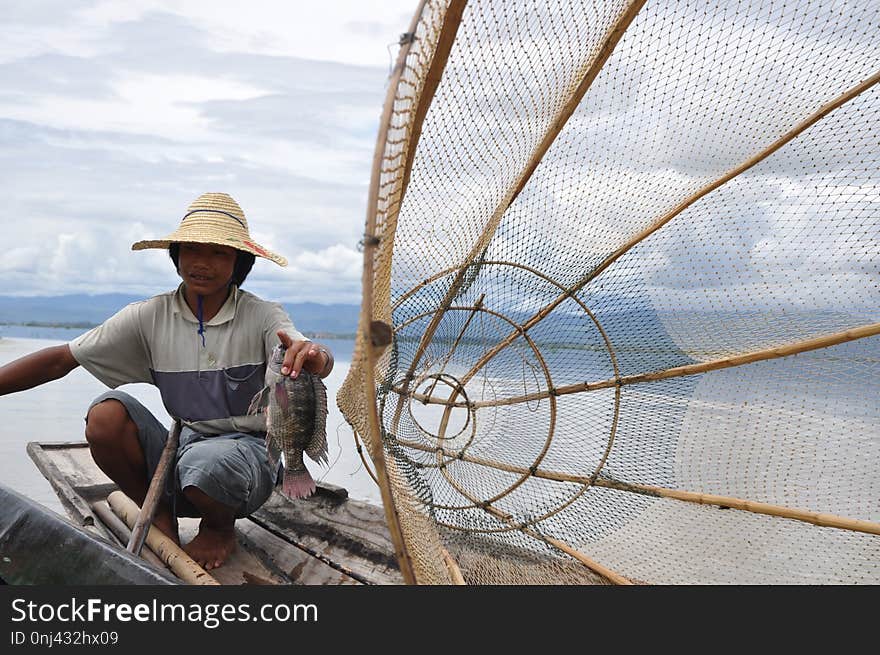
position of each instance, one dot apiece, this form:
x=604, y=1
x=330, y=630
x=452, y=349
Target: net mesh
x=630, y=254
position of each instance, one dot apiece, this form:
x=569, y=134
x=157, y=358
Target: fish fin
x=298, y=484
x=259, y=402
x=317, y=448
x=281, y=396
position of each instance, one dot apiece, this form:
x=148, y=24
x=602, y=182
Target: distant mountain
x=85, y=310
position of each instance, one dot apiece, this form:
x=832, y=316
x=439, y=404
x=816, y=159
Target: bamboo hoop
x=476, y=308
x=451, y=403
x=183, y=566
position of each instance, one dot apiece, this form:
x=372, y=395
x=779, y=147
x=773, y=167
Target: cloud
x=115, y=116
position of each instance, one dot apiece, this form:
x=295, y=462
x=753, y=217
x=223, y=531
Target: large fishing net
x=630, y=258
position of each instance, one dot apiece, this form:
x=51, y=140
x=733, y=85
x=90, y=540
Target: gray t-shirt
x=208, y=386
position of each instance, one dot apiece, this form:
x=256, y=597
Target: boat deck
x=328, y=539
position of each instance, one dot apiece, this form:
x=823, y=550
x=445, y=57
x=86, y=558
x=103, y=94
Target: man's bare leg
x=216, y=538
x=113, y=441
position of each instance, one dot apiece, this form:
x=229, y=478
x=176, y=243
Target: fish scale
x=296, y=423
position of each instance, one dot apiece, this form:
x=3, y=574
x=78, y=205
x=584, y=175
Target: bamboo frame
x=609, y=42
x=617, y=382
x=477, y=306
x=370, y=246
x=450, y=403
x=809, y=121
x=822, y=519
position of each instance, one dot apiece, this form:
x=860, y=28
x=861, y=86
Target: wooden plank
x=76, y=507
x=242, y=566
x=350, y=536
x=293, y=565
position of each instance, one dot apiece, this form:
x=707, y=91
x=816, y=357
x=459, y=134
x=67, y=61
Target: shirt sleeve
x=277, y=319
x=115, y=352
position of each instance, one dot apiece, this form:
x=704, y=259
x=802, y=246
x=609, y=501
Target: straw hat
x=214, y=218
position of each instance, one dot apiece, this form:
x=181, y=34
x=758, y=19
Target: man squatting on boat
x=205, y=346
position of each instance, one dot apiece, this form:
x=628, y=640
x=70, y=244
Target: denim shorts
x=232, y=468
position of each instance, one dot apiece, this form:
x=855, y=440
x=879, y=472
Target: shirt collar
x=226, y=313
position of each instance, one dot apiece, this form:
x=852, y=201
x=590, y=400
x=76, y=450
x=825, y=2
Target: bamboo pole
x=122, y=531
x=370, y=245
x=592, y=564
x=154, y=492
x=809, y=121
x=453, y=568
x=183, y=566
x=765, y=354
x=822, y=519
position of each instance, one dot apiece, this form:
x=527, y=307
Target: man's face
x=206, y=268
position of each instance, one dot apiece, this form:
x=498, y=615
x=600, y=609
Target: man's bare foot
x=211, y=546
x=166, y=522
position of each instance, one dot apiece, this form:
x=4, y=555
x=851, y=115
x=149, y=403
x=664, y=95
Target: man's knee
x=106, y=422
x=217, y=469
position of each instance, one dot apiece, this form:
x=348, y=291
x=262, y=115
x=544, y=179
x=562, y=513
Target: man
x=205, y=346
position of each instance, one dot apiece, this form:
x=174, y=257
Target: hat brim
x=231, y=241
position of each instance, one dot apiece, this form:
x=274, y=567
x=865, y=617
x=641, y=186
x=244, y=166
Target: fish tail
x=298, y=483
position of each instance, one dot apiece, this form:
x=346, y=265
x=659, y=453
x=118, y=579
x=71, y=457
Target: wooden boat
x=328, y=539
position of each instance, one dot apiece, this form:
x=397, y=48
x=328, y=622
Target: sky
x=115, y=116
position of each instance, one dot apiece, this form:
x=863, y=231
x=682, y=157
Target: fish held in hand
x=296, y=423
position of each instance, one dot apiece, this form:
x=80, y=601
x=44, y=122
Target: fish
x=296, y=423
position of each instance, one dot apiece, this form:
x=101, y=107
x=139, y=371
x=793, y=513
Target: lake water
x=54, y=412
x=798, y=431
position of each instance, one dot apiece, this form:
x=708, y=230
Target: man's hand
x=307, y=355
